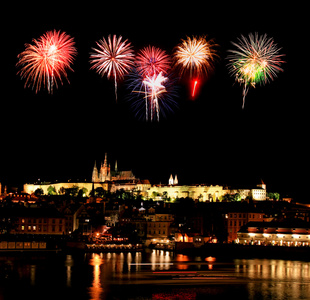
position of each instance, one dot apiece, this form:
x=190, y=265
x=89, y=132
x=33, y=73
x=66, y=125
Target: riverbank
x=249, y=251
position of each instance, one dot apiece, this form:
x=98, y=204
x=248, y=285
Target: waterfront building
x=158, y=228
x=35, y=221
x=235, y=220
x=293, y=232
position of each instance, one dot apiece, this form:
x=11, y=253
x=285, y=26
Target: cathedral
x=105, y=173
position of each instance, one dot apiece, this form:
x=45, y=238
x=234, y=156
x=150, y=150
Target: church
x=109, y=180
x=106, y=174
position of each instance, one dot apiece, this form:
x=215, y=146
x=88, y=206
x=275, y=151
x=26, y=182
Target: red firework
x=46, y=60
x=152, y=60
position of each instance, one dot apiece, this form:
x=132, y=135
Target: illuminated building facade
x=235, y=220
x=293, y=232
x=109, y=180
x=200, y=192
x=158, y=228
x=42, y=221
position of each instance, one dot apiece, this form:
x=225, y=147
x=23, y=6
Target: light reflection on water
x=154, y=275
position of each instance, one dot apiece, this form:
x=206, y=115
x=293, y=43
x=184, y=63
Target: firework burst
x=195, y=56
x=256, y=60
x=152, y=60
x=46, y=60
x=113, y=57
x=152, y=96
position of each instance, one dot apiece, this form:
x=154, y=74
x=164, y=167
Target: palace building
x=114, y=180
x=104, y=177
x=203, y=192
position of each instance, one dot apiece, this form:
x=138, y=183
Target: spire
x=175, y=180
x=95, y=174
x=116, y=166
x=171, y=179
x=105, y=160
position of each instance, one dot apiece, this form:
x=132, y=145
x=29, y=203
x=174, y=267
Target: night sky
x=210, y=140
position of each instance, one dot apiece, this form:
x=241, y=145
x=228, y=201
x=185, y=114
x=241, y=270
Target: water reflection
x=96, y=289
x=160, y=259
x=68, y=264
x=275, y=279
x=107, y=275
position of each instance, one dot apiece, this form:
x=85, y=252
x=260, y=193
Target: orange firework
x=47, y=60
x=195, y=55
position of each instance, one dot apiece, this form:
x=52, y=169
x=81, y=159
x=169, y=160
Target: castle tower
x=105, y=160
x=105, y=170
x=95, y=177
x=175, y=180
x=170, y=182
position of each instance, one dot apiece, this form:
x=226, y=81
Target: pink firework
x=113, y=57
x=152, y=60
x=47, y=60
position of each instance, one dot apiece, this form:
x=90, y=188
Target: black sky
x=209, y=140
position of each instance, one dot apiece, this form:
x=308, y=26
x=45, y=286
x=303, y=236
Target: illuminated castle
x=105, y=173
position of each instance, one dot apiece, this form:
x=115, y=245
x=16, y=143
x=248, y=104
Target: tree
x=82, y=192
x=51, y=190
x=39, y=192
x=237, y=197
x=72, y=192
x=100, y=192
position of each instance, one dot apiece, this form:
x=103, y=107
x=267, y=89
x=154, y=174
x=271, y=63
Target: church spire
x=105, y=160
x=175, y=180
x=95, y=174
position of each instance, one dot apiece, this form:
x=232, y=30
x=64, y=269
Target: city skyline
x=209, y=140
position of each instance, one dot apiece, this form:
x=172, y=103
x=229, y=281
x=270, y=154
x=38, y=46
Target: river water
x=150, y=275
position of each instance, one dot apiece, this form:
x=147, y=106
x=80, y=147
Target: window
x=23, y=227
x=34, y=227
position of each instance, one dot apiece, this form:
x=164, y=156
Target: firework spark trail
x=154, y=86
x=113, y=57
x=256, y=60
x=194, y=88
x=46, y=60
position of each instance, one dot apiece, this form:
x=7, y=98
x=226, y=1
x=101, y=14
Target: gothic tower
x=105, y=173
x=95, y=177
x=175, y=180
x=171, y=180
